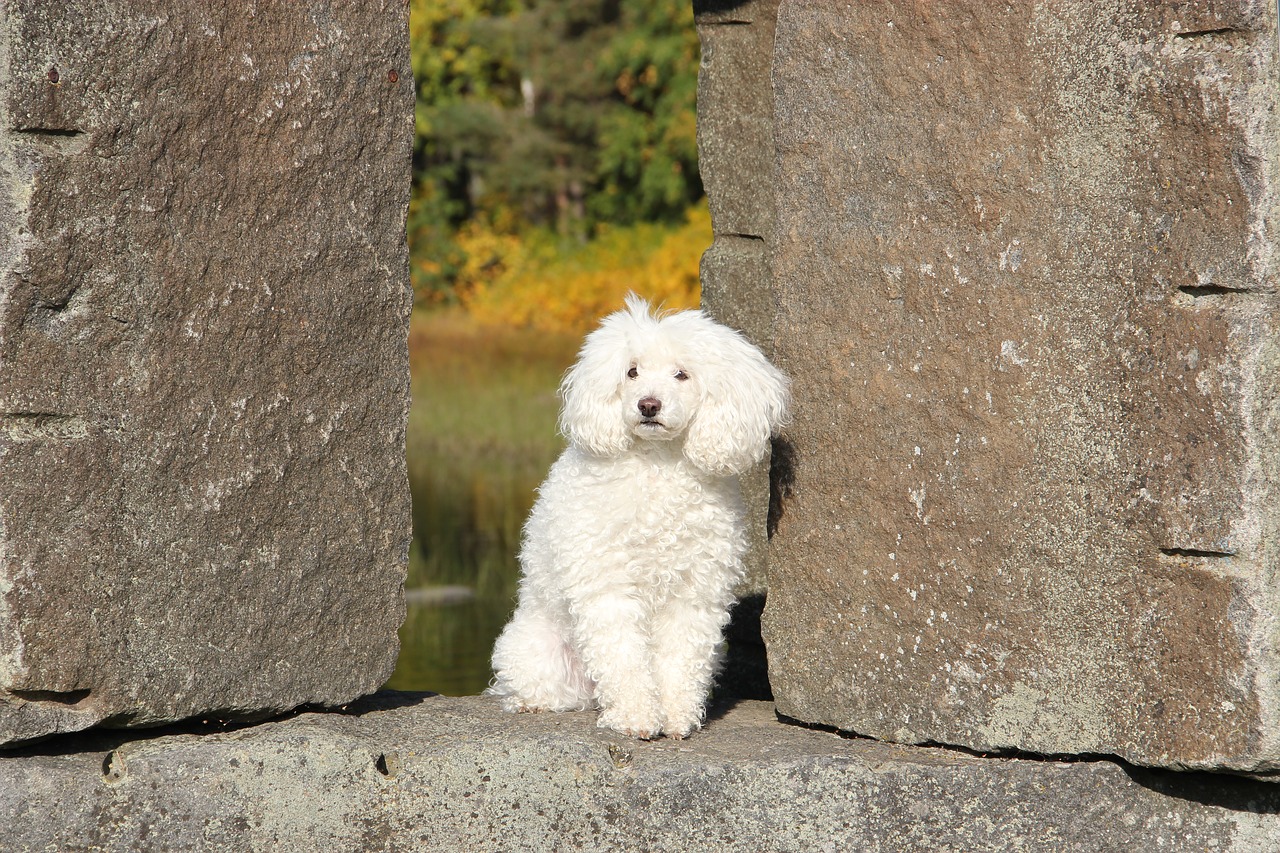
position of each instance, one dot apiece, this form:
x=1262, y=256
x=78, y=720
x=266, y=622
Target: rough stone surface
x=203, y=361
x=404, y=772
x=735, y=117
x=1026, y=274
x=735, y=158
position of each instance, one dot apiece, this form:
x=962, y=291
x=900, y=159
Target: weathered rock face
x=1026, y=274
x=203, y=365
x=735, y=157
x=412, y=773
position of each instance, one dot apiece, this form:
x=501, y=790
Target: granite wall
x=203, y=357
x=1025, y=282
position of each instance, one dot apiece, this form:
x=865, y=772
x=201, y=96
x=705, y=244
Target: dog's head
x=675, y=377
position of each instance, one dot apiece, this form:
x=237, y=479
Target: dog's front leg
x=687, y=639
x=614, y=647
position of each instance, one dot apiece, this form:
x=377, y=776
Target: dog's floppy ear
x=591, y=417
x=745, y=401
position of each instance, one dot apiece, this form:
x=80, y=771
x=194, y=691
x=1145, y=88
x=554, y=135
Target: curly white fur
x=635, y=542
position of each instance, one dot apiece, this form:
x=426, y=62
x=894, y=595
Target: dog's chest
x=645, y=503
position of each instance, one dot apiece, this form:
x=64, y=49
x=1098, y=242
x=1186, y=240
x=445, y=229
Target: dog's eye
x=681, y=375
x=632, y=373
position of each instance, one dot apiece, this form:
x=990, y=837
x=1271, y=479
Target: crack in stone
x=57, y=697
x=64, y=140
x=50, y=131
x=1196, y=552
x=1198, y=291
x=35, y=426
x=1209, y=33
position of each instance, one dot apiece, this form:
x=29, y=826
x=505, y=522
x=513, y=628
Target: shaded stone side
x=203, y=358
x=735, y=158
x=404, y=772
x=1026, y=281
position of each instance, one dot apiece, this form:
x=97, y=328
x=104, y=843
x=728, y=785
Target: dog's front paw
x=681, y=729
x=682, y=721
x=642, y=726
x=682, y=714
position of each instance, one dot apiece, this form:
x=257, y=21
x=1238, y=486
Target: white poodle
x=634, y=545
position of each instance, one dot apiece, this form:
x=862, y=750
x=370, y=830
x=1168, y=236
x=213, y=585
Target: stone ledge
x=401, y=771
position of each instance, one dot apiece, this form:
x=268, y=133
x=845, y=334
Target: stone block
x=1025, y=265
x=735, y=158
x=401, y=772
x=735, y=113
x=203, y=362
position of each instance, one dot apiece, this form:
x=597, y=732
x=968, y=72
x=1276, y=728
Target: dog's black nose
x=650, y=406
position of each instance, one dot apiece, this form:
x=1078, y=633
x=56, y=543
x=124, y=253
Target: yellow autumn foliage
x=543, y=282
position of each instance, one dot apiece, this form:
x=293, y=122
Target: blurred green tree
x=561, y=114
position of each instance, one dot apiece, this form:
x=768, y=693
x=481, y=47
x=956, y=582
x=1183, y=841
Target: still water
x=461, y=588
x=480, y=438
x=445, y=645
